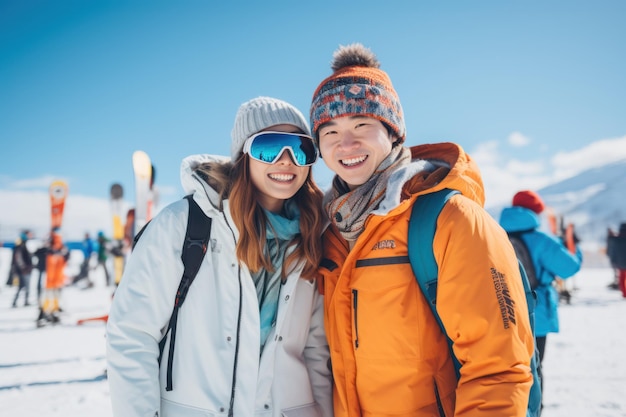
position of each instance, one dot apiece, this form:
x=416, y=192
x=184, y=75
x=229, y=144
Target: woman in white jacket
x=250, y=337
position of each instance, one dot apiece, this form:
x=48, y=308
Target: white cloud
x=527, y=169
x=29, y=183
x=602, y=152
x=31, y=210
x=504, y=175
x=486, y=153
x=516, y=139
x=26, y=205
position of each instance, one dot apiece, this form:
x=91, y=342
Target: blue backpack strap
x=534, y=399
x=422, y=227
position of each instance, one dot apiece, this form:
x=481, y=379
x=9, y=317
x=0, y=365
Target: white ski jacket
x=217, y=369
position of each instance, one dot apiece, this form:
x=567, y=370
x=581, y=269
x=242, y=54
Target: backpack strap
x=194, y=248
x=138, y=235
x=422, y=227
x=520, y=246
x=536, y=392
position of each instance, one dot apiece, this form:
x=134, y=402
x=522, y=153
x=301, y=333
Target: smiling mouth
x=353, y=161
x=282, y=177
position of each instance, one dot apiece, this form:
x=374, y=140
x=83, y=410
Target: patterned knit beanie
x=259, y=114
x=358, y=87
x=530, y=200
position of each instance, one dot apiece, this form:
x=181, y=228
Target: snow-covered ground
x=54, y=371
x=59, y=370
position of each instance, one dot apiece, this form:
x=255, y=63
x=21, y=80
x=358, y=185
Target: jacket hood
x=206, y=197
x=517, y=219
x=434, y=167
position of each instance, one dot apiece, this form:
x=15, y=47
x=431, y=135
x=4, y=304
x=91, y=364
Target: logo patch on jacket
x=385, y=244
x=506, y=303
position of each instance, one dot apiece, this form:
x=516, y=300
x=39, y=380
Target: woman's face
x=279, y=181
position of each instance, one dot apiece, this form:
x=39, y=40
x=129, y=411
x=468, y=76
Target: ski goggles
x=267, y=147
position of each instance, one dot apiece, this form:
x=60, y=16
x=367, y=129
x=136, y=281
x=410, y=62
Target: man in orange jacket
x=389, y=356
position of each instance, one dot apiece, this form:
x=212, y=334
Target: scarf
x=280, y=232
x=348, y=210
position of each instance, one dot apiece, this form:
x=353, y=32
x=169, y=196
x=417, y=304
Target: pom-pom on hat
x=530, y=200
x=358, y=87
x=259, y=114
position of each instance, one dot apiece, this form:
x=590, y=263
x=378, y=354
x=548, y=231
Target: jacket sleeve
x=140, y=311
x=317, y=357
x=555, y=258
x=482, y=305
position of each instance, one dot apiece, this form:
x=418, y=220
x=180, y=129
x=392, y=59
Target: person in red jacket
x=389, y=356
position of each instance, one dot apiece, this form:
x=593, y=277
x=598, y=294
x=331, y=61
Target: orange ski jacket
x=55, y=263
x=389, y=356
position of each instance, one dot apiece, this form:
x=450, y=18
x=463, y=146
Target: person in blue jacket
x=87, y=249
x=550, y=258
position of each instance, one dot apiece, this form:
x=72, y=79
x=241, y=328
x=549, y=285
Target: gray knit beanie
x=259, y=114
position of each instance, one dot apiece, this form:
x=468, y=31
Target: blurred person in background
x=551, y=259
x=616, y=250
x=22, y=266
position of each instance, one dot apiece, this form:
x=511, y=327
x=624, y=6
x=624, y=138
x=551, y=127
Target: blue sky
x=534, y=90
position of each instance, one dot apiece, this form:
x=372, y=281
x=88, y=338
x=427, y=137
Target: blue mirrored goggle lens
x=268, y=147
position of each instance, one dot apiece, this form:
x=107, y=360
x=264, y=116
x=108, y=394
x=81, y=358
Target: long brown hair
x=233, y=181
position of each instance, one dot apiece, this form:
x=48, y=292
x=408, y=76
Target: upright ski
x=58, y=194
x=117, y=194
x=56, y=257
x=142, y=168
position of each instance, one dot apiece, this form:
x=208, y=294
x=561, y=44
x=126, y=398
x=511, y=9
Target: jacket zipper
x=239, y=313
x=355, y=301
x=231, y=406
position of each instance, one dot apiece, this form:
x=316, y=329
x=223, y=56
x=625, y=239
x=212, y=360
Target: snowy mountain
x=593, y=201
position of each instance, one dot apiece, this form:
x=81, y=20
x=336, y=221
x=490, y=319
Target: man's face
x=353, y=147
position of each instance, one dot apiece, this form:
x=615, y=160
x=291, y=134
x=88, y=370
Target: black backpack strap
x=523, y=255
x=138, y=235
x=195, y=247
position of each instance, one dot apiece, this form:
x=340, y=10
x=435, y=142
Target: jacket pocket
x=170, y=408
x=309, y=410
